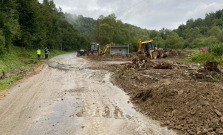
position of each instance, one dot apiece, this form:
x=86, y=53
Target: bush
x=203, y=57
x=216, y=49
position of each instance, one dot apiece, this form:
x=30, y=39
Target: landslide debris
x=185, y=97
x=114, y=57
x=173, y=96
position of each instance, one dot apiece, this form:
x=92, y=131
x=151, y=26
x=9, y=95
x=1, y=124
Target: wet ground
x=67, y=97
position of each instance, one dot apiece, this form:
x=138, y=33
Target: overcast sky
x=149, y=14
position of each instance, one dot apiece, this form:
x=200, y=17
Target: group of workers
x=46, y=50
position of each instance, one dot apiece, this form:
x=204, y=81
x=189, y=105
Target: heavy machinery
x=93, y=49
x=81, y=53
x=149, y=49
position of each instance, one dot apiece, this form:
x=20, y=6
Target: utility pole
x=98, y=31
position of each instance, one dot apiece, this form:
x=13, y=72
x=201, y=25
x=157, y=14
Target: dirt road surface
x=67, y=97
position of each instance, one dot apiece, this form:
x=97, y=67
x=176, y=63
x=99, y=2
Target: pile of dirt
x=209, y=73
x=212, y=66
x=175, y=53
x=174, y=97
x=114, y=57
x=163, y=65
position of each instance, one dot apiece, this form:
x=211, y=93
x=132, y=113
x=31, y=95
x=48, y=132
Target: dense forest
x=116, y=32
x=29, y=24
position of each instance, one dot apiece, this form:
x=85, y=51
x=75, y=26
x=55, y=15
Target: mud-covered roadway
x=68, y=97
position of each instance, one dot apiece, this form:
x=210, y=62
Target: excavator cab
x=94, y=49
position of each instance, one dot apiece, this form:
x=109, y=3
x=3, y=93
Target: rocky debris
x=163, y=65
x=175, y=53
x=211, y=66
x=187, y=105
x=183, y=98
x=114, y=57
x=206, y=75
x=218, y=113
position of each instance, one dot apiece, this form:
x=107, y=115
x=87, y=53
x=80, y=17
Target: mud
x=115, y=57
x=176, y=96
x=71, y=95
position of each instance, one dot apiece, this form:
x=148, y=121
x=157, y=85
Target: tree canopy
x=30, y=24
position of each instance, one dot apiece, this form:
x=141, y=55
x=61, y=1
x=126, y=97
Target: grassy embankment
x=201, y=57
x=17, y=61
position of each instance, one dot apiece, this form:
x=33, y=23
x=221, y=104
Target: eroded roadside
x=186, y=97
x=69, y=97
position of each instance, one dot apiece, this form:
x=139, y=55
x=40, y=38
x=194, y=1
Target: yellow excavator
x=94, y=49
x=149, y=49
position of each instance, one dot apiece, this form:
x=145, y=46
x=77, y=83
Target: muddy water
x=68, y=98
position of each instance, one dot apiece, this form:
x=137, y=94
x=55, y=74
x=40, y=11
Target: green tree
x=173, y=41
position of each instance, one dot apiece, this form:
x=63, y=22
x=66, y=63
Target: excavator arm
x=105, y=49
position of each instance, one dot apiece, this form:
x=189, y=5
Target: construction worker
x=202, y=49
x=46, y=50
x=38, y=54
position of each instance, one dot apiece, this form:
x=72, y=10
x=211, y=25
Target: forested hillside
x=85, y=25
x=194, y=34
x=116, y=32
x=32, y=25
x=203, y=32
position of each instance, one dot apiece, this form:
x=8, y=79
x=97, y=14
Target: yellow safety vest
x=38, y=52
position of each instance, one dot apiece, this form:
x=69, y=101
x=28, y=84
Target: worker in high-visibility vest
x=38, y=54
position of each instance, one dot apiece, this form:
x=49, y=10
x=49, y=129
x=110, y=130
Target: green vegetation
x=203, y=57
x=30, y=25
x=19, y=60
x=116, y=32
x=6, y=82
x=207, y=32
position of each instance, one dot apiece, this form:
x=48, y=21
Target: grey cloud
x=150, y=14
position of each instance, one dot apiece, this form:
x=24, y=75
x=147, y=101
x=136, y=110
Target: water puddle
x=59, y=66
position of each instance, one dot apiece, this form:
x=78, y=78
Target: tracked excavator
x=149, y=49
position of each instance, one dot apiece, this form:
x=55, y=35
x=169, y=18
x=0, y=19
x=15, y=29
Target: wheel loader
x=149, y=49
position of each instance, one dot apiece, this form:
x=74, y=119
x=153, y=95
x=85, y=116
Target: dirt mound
x=115, y=57
x=211, y=66
x=209, y=73
x=174, y=97
x=163, y=65
x=175, y=53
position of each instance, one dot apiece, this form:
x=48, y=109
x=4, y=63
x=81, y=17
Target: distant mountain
x=87, y=25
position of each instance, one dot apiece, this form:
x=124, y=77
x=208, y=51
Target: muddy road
x=67, y=97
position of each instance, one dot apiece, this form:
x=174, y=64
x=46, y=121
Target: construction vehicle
x=149, y=49
x=80, y=53
x=93, y=49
